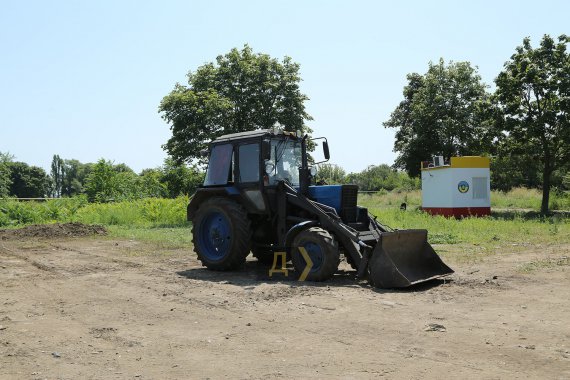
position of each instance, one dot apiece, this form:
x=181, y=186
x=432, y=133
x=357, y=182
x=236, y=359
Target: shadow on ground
x=254, y=273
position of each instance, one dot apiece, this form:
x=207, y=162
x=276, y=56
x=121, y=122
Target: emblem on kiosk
x=463, y=187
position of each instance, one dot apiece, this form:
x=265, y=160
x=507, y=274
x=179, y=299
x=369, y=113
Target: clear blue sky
x=83, y=79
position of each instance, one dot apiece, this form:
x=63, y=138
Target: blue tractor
x=259, y=196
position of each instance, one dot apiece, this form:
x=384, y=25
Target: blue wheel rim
x=316, y=254
x=214, y=236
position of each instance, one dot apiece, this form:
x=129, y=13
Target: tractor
x=259, y=195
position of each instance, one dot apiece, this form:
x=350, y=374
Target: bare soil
x=95, y=307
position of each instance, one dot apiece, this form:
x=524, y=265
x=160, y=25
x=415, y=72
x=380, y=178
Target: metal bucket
x=404, y=258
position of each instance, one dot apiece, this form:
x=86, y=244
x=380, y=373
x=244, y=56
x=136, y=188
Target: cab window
x=219, y=168
x=248, y=158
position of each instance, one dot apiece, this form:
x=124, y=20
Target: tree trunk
x=546, y=174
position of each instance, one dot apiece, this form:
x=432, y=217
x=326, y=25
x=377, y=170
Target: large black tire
x=323, y=250
x=221, y=234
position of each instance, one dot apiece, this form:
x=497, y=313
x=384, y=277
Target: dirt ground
x=94, y=307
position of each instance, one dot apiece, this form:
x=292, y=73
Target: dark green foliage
x=102, y=184
x=330, y=174
x=75, y=177
x=27, y=181
x=57, y=175
x=444, y=112
x=378, y=177
x=533, y=92
x=150, y=181
x=508, y=172
x=241, y=91
x=5, y=179
x=180, y=179
x=108, y=182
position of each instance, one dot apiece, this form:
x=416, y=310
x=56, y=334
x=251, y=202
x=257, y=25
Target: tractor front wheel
x=322, y=249
x=221, y=234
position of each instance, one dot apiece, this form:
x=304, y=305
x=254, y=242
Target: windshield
x=285, y=159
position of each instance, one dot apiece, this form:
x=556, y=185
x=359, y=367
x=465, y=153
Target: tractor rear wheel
x=221, y=234
x=322, y=249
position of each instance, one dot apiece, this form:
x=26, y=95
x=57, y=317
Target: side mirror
x=266, y=149
x=326, y=150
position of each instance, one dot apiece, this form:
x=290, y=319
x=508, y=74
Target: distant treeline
x=105, y=181
x=102, y=181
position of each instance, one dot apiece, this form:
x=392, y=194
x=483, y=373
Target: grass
x=544, y=264
x=160, y=237
x=162, y=222
x=150, y=212
x=518, y=198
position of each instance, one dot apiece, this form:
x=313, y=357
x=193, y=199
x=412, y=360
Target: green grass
x=160, y=237
x=162, y=222
x=150, y=212
x=491, y=230
x=518, y=198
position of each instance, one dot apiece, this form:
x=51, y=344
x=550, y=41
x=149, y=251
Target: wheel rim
x=214, y=236
x=315, y=252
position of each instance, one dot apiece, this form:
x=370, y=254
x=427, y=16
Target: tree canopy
x=241, y=91
x=5, y=178
x=444, y=112
x=27, y=181
x=533, y=93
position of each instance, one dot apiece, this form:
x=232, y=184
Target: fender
x=205, y=193
x=293, y=231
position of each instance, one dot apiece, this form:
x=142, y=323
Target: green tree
x=57, y=175
x=533, y=92
x=508, y=171
x=27, y=181
x=331, y=174
x=75, y=177
x=377, y=177
x=241, y=91
x=150, y=183
x=107, y=182
x=101, y=185
x=444, y=112
x=180, y=178
x=5, y=178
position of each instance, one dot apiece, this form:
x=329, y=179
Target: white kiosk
x=459, y=188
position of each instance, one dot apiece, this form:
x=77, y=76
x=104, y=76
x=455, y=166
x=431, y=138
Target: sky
x=83, y=79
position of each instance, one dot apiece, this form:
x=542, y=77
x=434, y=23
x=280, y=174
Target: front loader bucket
x=404, y=258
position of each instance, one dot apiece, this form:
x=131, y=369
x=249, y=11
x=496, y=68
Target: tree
x=378, y=177
x=75, y=177
x=180, y=178
x=107, y=182
x=331, y=174
x=150, y=183
x=444, y=112
x=533, y=92
x=57, y=175
x=508, y=171
x=27, y=181
x=5, y=179
x=241, y=91
x=101, y=184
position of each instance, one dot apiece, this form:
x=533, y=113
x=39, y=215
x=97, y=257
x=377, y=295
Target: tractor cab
x=258, y=157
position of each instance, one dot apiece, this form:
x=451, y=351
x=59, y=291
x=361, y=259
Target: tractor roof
x=250, y=134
